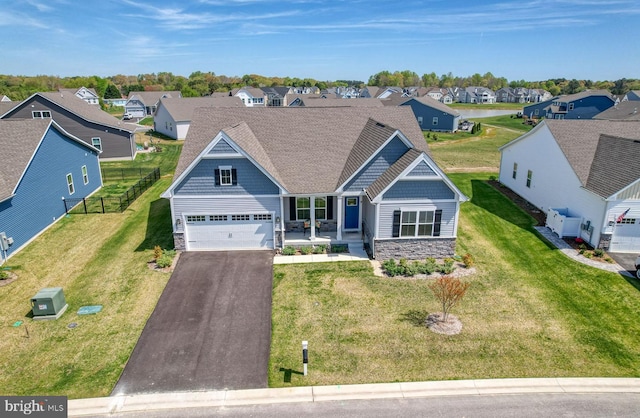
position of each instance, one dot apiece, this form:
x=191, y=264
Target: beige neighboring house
x=89, y=95
x=173, y=116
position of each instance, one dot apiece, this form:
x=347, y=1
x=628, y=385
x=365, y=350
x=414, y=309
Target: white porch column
x=312, y=226
x=339, y=219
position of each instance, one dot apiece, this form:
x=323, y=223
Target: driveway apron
x=211, y=328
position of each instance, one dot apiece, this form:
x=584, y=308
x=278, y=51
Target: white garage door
x=229, y=232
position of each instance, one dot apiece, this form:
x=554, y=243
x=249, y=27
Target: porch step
x=356, y=246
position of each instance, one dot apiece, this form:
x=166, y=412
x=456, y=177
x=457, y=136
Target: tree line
x=201, y=83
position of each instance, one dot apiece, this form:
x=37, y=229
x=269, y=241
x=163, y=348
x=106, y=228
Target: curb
x=222, y=398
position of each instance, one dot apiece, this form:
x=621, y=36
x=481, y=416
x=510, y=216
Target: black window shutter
x=330, y=207
x=396, y=223
x=234, y=176
x=437, y=220
x=216, y=173
x=292, y=208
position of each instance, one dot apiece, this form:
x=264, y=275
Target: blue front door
x=351, y=212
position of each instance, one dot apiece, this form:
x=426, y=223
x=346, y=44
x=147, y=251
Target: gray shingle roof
x=86, y=111
x=150, y=98
x=627, y=110
x=431, y=102
x=616, y=164
x=308, y=148
x=319, y=101
x=579, y=139
x=392, y=173
x=181, y=109
x=18, y=141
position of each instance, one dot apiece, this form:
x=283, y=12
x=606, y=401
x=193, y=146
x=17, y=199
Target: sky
x=322, y=39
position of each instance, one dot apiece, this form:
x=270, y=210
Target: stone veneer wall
x=415, y=249
x=178, y=241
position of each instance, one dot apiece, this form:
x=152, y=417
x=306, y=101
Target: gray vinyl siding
x=116, y=143
x=222, y=147
x=201, y=180
x=222, y=205
x=422, y=169
x=446, y=122
x=369, y=217
x=419, y=189
x=386, y=216
x=378, y=165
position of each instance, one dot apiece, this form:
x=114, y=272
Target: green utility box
x=48, y=302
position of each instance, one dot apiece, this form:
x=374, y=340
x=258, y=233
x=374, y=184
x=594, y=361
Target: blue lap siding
x=415, y=189
x=37, y=202
x=250, y=180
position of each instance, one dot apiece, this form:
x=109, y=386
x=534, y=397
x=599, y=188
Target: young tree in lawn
x=449, y=291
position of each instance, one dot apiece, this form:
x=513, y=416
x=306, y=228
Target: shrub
x=306, y=250
x=598, y=252
x=435, y=137
x=467, y=259
x=428, y=134
x=447, y=267
x=169, y=253
x=608, y=260
x=582, y=246
x=164, y=261
x=4, y=275
x=320, y=249
x=339, y=248
x=425, y=268
x=588, y=254
x=157, y=252
x=288, y=250
x=390, y=267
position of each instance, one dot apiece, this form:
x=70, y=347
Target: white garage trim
x=229, y=231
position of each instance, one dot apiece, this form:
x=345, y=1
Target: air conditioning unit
x=5, y=242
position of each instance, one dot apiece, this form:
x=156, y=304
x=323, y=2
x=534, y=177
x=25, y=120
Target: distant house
x=267, y=178
x=521, y=95
x=379, y=92
x=88, y=95
x=88, y=122
x=251, y=96
x=625, y=110
x=173, y=116
x=440, y=94
x=433, y=115
x=277, y=96
x=40, y=164
x=476, y=95
x=298, y=100
x=584, y=174
x=583, y=105
x=141, y=104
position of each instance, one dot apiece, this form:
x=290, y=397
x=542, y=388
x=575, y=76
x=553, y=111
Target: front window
x=420, y=120
x=70, y=183
x=97, y=142
x=321, y=208
x=303, y=208
x=85, y=174
x=417, y=224
x=529, y=176
x=515, y=170
x=226, y=179
x=435, y=120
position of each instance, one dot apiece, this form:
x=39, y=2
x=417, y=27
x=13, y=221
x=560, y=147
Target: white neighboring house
x=251, y=96
x=88, y=95
x=582, y=172
x=173, y=116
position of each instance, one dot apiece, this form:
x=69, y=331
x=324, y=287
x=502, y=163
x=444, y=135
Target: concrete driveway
x=211, y=328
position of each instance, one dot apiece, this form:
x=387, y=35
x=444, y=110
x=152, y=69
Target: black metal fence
x=115, y=174
x=97, y=204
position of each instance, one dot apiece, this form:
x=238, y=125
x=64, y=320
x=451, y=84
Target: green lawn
x=530, y=312
x=97, y=260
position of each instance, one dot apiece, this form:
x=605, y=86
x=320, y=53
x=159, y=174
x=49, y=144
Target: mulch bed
x=524, y=204
x=12, y=278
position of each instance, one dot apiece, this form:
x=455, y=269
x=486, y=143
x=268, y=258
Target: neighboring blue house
x=433, y=115
x=633, y=95
x=583, y=105
x=40, y=164
x=267, y=178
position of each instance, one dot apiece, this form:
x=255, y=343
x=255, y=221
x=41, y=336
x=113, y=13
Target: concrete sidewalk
x=167, y=401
